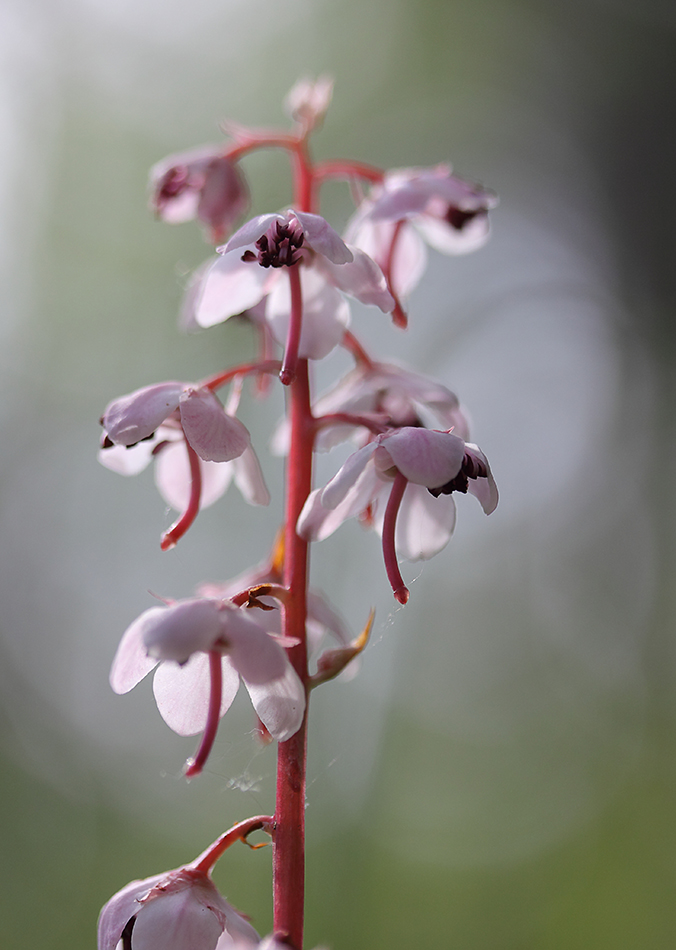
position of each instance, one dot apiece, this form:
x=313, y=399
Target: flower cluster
x=292, y=277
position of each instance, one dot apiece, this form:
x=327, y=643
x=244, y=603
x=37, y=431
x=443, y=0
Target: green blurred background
x=500, y=775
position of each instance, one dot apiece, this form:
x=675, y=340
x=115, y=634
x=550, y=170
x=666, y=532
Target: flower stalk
x=289, y=274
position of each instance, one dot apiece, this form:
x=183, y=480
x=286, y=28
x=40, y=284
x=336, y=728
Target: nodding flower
x=197, y=445
x=177, y=910
x=201, y=183
x=301, y=267
x=402, y=484
x=201, y=647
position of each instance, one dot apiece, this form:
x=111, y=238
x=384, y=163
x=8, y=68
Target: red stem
x=179, y=527
x=195, y=765
x=288, y=861
x=401, y=592
x=239, y=832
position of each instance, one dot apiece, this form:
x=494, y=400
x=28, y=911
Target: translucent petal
x=182, y=693
x=280, y=705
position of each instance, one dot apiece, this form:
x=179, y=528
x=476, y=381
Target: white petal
x=249, y=478
x=423, y=456
x=280, y=705
x=347, y=476
x=176, y=921
x=230, y=286
x=184, y=628
x=424, y=523
x=213, y=434
x=182, y=693
x=253, y=653
x=131, y=662
x=250, y=232
x=127, y=460
x=446, y=239
x=322, y=238
x=172, y=477
x=326, y=314
x=362, y=278
x=137, y=415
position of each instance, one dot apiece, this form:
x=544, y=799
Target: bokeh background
x=500, y=775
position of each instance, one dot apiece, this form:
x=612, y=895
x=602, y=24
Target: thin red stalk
x=348, y=169
x=347, y=418
x=288, y=861
x=195, y=765
x=400, y=589
x=244, y=369
x=351, y=343
x=287, y=374
x=239, y=832
x=181, y=525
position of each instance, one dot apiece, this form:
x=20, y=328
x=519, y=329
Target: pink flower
x=402, y=483
x=184, y=638
x=201, y=183
x=178, y=910
x=250, y=269
x=391, y=395
x=308, y=101
x=198, y=448
x=413, y=206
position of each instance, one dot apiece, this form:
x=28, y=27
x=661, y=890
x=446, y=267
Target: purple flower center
x=458, y=219
x=471, y=468
x=280, y=246
x=174, y=183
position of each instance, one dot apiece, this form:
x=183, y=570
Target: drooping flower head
x=201, y=183
x=198, y=448
x=202, y=646
x=255, y=263
x=177, y=910
x=402, y=484
x=414, y=206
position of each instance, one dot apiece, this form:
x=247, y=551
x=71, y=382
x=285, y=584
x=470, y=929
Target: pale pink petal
x=326, y=314
x=484, y=489
x=119, y=910
x=172, y=477
x=127, y=460
x=131, y=662
x=239, y=930
x=249, y=478
x=423, y=456
x=280, y=704
x=137, y=415
x=362, y=278
x=449, y=240
x=425, y=524
x=317, y=522
x=346, y=478
x=177, y=921
x=178, y=631
x=254, y=654
x=230, y=287
x=409, y=259
x=250, y=232
x=322, y=238
x=307, y=101
x=182, y=693
x=213, y=434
